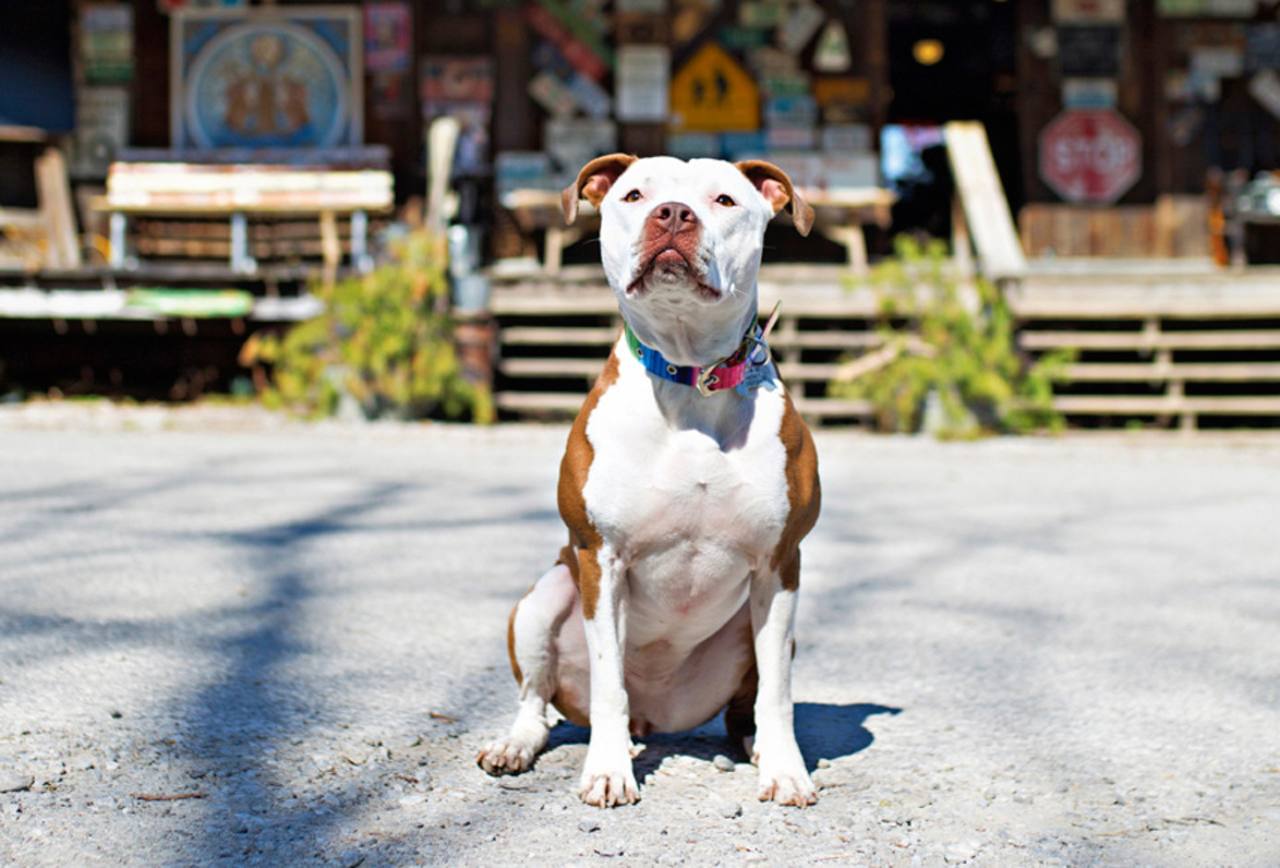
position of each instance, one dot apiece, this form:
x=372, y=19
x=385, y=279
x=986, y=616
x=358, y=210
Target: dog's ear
x=594, y=182
x=777, y=189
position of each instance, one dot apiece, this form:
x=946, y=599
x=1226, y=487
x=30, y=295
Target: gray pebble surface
x=228, y=638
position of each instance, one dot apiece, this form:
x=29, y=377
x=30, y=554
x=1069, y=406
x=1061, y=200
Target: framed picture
x=267, y=77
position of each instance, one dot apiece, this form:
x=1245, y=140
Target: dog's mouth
x=670, y=266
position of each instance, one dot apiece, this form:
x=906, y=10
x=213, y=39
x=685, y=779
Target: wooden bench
x=238, y=191
x=541, y=209
x=840, y=214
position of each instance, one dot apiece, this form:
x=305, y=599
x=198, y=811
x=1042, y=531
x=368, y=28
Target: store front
x=1161, y=94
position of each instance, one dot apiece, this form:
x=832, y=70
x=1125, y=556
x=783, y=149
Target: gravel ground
x=226, y=638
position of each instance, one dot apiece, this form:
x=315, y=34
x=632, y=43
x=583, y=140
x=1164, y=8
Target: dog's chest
x=683, y=507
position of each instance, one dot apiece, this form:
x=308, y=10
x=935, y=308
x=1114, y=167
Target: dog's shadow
x=823, y=732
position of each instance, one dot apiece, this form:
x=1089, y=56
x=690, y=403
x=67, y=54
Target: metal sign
x=713, y=93
x=1090, y=155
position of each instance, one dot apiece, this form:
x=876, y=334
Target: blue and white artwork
x=267, y=79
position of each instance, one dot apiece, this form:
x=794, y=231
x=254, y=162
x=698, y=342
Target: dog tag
x=755, y=377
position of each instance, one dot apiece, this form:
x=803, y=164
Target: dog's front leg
x=607, y=776
x=783, y=777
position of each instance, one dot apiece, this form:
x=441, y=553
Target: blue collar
x=745, y=368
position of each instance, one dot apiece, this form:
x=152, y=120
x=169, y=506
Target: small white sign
x=1088, y=11
x=1265, y=88
x=832, y=53
x=653, y=7
x=1089, y=93
x=573, y=142
x=643, y=82
x=800, y=26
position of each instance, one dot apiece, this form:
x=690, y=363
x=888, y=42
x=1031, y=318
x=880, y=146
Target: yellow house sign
x=712, y=93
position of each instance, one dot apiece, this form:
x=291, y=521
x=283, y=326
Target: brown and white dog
x=687, y=484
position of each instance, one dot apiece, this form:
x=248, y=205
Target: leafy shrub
x=948, y=359
x=384, y=340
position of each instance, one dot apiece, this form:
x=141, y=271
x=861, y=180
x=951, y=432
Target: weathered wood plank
x=582, y=368
x=985, y=207
x=1101, y=372
x=819, y=408
x=1138, y=340
x=559, y=336
x=1109, y=405
x=539, y=402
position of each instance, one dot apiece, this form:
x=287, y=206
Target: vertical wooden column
x=874, y=36
x=514, y=125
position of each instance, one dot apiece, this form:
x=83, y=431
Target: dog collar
x=745, y=368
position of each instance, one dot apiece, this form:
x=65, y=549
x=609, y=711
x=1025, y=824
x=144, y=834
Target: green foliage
x=385, y=340
x=949, y=361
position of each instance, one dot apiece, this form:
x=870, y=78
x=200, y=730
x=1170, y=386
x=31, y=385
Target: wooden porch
x=1161, y=343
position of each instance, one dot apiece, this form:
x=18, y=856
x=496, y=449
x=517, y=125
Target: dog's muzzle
x=669, y=248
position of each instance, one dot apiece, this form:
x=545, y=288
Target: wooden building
x=1194, y=84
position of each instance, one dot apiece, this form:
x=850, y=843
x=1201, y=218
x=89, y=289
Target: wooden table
x=236, y=191
x=841, y=213
x=542, y=209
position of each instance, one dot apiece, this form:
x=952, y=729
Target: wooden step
x=581, y=368
x=1127, y=316
x=559, y=336
x=1154, y=371
x=539, y=402
x=1138, y=340
x=1111, y=405
x=823, y=408
x=569, y=403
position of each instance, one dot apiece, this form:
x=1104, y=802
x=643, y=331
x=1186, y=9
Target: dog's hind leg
x=537, y=644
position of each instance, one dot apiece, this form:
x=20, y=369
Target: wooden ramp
x=982, y=212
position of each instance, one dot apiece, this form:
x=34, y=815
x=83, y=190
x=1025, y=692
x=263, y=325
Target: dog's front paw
x=609, y=789
x=507, y=757
x=786, y=787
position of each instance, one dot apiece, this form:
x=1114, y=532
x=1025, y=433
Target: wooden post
x=54, y=192
x=331, y=249
x=119, y=224
x=360, y=241
x=960, y=246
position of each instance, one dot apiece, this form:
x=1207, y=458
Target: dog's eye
x=724, y=200
x=633, y=196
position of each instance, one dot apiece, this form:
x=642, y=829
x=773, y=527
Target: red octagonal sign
x=1090, y=155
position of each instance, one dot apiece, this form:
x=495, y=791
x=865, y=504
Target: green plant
x=947, y=358
x=384, y=341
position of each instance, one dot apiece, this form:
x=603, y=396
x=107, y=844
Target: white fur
x=689, y=494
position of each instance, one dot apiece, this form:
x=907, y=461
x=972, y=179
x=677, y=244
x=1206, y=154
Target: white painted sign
x=643, y=83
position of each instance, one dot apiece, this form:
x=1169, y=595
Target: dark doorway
x=949, y=61
x=35, y=66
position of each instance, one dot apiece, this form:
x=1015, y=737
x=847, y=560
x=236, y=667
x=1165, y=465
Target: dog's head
x=681, y=242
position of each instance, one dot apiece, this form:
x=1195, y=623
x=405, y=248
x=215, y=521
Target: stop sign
x=1090, y=155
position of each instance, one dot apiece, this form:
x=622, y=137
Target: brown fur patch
x=777, y=188
x=594, y=182
x=569, y=558
x=584, y=539
x=804, y=494
x=571, y=705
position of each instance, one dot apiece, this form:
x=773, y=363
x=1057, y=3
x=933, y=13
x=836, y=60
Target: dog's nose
x=674, y=217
